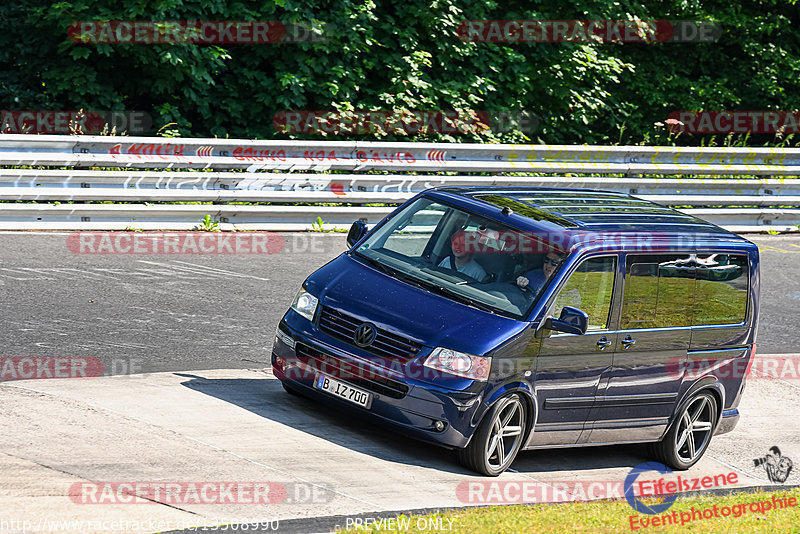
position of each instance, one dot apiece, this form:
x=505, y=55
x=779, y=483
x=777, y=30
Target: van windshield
x=464, y=256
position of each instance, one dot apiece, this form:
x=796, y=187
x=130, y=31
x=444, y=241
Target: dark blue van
x=492, y=320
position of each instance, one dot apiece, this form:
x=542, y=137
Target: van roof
x=592, y=210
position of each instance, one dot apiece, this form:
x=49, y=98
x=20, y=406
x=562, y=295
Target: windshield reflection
x=466, y=257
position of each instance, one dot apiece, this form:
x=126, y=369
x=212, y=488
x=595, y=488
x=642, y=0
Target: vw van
x=497, y=320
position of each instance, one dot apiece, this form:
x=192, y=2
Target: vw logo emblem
x=365, y=335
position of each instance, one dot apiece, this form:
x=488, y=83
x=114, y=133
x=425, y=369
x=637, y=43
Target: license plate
x=343, y=391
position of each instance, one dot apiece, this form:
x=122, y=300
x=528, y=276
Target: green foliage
x=208, y=224
x=405, y=56
x=317, y=226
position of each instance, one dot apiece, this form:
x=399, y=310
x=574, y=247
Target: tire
x=489, y=455
x=690, y=434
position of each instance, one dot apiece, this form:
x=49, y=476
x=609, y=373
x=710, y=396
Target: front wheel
x=498, y=438
x=688, y=439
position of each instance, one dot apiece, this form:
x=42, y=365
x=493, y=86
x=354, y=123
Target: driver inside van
x=534, y=280
x=461, y=260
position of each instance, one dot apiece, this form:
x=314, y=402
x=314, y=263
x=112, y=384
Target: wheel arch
x=529, y=398
x=710, y=384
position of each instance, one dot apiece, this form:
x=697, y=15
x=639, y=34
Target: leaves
x=395, y=56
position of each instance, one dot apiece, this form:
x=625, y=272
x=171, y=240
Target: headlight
x=459, y=363
x=305, y=304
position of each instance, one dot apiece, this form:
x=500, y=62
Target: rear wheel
x=690, y=435
x=498, y=438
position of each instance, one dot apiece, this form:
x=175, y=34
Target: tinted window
x=590, y=288
x=659, y=289
x=722, y=287
x=460, y=255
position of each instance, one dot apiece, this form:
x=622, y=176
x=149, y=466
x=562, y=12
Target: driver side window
x=590, y=288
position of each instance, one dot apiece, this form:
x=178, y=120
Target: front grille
x=386, y=345
x=352, y=372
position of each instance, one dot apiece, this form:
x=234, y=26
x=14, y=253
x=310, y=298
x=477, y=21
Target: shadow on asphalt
x=268, y=399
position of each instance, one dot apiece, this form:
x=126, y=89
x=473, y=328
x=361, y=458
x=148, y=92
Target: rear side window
x=659, y=291
x=722, y=289
x=664, y=291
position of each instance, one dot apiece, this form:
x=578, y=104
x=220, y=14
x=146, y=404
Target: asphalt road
x=200, y=328
x=146, y=313
x=149, y=313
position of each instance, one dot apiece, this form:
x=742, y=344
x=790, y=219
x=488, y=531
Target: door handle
x=602, y=343
x=627, y=342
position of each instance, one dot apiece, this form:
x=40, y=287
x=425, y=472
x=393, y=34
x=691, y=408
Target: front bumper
x=409, y=406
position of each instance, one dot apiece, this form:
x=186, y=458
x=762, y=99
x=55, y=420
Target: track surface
x=178, y=312
x=202, y=406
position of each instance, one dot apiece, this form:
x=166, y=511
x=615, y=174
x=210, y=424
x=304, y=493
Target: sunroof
x=593, y=209
x=527, y=210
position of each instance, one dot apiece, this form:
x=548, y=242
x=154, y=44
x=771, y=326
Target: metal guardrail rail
x=720, y=184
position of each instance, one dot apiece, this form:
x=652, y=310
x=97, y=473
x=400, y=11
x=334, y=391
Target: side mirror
x=572, y=321
x=357, y=231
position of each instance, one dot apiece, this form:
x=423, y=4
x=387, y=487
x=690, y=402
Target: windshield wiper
x=455, y=295
x=380, y=266
x=425, y=284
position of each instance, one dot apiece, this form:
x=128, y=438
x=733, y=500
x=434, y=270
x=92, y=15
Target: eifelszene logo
x=669, y=489
x=630, y=485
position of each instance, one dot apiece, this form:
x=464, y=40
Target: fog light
x=438, y=426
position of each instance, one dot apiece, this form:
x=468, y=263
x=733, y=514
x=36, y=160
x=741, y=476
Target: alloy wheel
x=506, y=433
x=694, y=429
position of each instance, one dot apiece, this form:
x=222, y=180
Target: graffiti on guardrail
x=670, y=156
x=251, y=154
x=148, y=149
x=257, y=154
x=551, y=158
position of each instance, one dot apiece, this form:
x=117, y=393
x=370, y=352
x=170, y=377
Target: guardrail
x=721, y=184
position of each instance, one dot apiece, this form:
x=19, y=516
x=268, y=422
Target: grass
x=609, y=516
